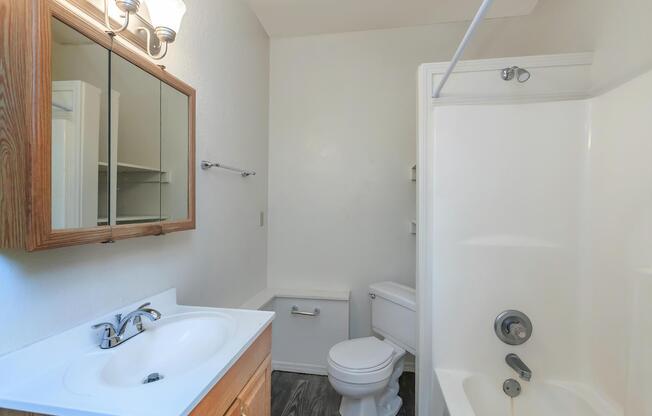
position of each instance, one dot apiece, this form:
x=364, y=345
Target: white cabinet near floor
x=301, y=340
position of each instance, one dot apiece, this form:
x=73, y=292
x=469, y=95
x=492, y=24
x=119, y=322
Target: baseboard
x=320, y=370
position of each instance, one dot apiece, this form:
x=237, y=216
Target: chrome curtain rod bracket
x=244, y=173
x=482, y=11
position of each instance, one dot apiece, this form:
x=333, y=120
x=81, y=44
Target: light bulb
x=166, y=13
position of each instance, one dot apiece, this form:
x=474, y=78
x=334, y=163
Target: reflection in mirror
x=136, y=165
x=174, y=153
x=80, y=79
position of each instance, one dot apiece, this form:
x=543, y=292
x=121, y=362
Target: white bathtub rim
x=458, y=404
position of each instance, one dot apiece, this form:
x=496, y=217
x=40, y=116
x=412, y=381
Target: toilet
x=365, y=371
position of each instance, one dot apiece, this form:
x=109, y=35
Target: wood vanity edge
x=220, y=398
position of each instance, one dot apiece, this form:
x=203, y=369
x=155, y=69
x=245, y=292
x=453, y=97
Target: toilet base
x=368, y=407
x=358, y=407
x=388, y=403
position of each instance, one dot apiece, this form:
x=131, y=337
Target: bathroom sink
x=168, y=348
x=183, y=356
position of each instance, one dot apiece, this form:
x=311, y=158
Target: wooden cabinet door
x=235, y=409
x=257, y=394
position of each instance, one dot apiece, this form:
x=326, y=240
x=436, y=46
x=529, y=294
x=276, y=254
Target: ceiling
x=307, y=17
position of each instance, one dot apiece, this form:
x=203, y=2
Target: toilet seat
x=361, y=361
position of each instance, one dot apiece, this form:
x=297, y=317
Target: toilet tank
x=393, y=313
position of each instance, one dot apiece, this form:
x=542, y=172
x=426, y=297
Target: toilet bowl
x=365, y=371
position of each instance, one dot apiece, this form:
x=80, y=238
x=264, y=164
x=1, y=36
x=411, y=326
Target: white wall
x=622, y=40
x=507, y=180
x=546, y=208
x=224, y=53
x=616, y=282
x=342, y=141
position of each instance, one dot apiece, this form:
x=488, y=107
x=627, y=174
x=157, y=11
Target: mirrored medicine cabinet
x=106, y=151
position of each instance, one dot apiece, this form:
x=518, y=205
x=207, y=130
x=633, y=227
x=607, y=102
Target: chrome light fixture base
x=127, y=7
x=165, y=36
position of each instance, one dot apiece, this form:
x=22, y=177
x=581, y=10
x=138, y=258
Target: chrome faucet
x=121, y=331
x=519, y=366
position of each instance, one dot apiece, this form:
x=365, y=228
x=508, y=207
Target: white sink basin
x=191, y=347
x=171, y=347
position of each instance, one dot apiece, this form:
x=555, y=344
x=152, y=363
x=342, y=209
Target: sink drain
x=152, y=378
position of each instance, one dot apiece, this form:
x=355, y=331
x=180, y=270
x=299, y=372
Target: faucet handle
x=518, y=329
x=513, y=327
x=144, y=305
x=109, y=327
x=109, y=337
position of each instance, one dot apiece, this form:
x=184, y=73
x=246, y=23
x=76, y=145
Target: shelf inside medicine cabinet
x=127, y=168
x=134, y=219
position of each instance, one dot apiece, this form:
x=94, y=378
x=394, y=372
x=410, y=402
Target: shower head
x=521, y=75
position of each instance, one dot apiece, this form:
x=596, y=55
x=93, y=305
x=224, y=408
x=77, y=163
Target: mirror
x=174, y=153
x=120, y=139
x=79, y=154
x=136, y=149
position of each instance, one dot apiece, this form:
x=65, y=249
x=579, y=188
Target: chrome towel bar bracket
x=244, y=173
x=295, y=311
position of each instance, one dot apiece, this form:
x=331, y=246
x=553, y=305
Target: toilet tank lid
x=397, y=293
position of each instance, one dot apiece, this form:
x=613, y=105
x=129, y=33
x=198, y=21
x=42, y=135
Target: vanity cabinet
x=97, y=143
x=245, y=390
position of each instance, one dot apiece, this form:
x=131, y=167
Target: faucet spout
x=515, y=362
x=115, y=335
x=149, y=313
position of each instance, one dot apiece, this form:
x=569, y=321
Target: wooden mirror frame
x=25, y=180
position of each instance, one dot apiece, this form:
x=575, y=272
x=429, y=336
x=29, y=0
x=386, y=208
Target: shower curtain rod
x=482, y=11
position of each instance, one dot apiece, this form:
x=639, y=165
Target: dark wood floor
x=309, y=395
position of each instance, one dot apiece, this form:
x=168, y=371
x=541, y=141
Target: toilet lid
x=362, y=354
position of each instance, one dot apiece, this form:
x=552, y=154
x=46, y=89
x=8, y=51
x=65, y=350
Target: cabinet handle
x=242, y=411
x=295, y=311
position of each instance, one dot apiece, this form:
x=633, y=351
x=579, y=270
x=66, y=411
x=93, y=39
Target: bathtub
x=469, y=394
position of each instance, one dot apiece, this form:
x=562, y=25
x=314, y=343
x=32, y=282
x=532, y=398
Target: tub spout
x=519, y=366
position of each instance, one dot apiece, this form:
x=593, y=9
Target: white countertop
x=33, y=379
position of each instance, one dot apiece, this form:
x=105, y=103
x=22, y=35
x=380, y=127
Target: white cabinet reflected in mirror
x=80, y=80
x=118, y=158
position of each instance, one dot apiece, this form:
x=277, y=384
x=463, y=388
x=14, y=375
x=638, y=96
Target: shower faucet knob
x=513, y=327
x=518, y=329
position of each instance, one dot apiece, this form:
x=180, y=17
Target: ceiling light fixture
x=165, y=17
